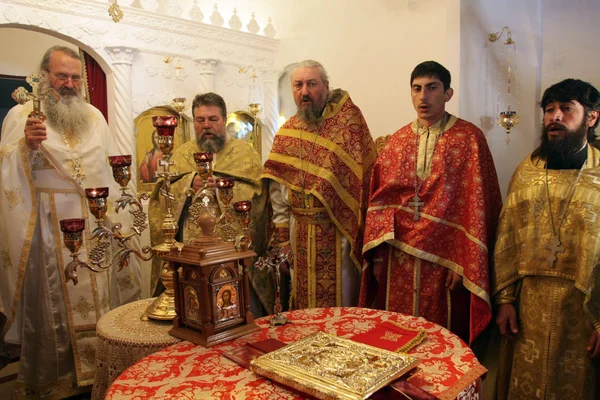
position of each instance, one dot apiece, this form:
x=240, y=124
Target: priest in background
x=231, y=158
x=45, y=167
x=547, y=281
x=433, y=208
x=318, y=172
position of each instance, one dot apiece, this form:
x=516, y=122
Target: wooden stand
x=212, y=292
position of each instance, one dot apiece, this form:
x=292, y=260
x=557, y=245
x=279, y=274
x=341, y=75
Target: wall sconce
x=254, y=91
x=508, y=118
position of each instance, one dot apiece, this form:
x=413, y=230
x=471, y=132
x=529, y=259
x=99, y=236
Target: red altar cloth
x=448, y=368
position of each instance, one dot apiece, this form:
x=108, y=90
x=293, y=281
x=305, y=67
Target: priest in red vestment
x=318, y=172
x=433, y=209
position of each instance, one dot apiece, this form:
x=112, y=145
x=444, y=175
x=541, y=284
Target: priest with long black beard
x=547, y=282
x=46, y=165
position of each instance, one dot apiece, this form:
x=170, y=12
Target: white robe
x=52, y=319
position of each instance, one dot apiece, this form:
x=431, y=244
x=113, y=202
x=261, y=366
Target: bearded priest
x=547, y=284
x=45, y=167
x=318, y=173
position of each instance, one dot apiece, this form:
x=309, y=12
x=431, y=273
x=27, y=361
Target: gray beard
x=213, y=145
x=310, y=114
x=69, y=114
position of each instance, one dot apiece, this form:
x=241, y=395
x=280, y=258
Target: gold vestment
x=556, y=300
x=238, y=160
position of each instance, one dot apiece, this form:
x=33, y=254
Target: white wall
x=17, y=62
x=555, y=39
x=368, y=47
x=480, y=72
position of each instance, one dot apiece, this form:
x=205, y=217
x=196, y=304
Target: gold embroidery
x=391, y=336
x=530, y=352
x=14, y=197
x=83, y=308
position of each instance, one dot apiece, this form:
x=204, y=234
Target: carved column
x=122, y=59
x=270, y=114
x=206, y=69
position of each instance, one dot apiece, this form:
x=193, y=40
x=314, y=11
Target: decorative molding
x=206, y=66
x=121, y=54
x=150, y=20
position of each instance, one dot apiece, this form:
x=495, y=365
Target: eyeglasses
x=65, y=77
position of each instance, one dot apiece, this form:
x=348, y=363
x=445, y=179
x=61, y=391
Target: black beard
x=562, y=149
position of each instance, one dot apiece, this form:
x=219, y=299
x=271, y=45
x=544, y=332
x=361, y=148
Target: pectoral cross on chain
x=416, y=203
x=554, y=247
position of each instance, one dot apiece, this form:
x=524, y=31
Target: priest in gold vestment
x=231, y=158
x=45, y=168
x=547, y=255
x=318, y=172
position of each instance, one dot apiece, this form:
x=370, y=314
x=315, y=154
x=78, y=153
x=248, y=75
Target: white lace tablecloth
x=124, y=339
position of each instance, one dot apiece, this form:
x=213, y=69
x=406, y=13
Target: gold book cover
x=329, y=367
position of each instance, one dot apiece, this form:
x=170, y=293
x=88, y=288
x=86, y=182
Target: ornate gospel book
x=329, y=367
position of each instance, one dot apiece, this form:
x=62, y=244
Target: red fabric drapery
x=96, y=81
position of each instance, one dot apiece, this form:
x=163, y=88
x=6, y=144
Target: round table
x=124, y=338
x=448, y=368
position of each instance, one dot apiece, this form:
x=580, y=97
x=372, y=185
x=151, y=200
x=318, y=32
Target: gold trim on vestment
x=326, y=143
x=338, y=267
x=449, y=303
x=59, y=191
x=389, y=275
x=416, y=285
x=89, y=245
x=312, y=268
x=61, y=267
x=322, y=173
x=431, y=218
x=357, y=264
x=476, y=290
x=425, y=152
x=294, y=247
x=24, y=257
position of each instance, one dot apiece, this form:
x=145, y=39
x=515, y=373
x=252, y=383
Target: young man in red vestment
x=433, y=208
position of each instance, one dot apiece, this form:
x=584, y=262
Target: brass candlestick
x=243, y=241
x=225, y=223
x=72, y=230
x=163, y=308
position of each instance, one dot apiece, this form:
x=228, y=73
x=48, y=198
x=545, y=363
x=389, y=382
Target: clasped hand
x=198, y=184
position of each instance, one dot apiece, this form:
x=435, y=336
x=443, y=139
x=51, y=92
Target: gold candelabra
x=508, y=118
x=163, y=307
